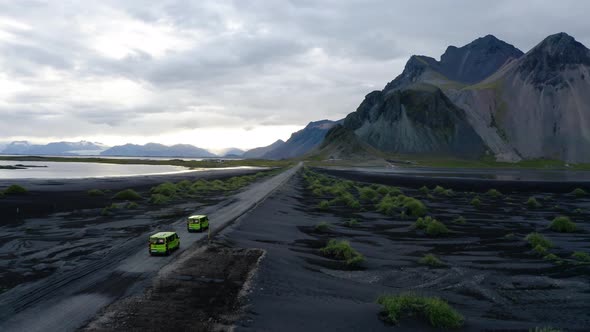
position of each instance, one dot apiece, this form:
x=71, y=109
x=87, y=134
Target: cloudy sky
x=228, y=73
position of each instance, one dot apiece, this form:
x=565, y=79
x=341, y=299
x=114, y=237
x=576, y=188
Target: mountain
x=537, y=105
x=342, y=143
x=233, y=152
x=458, y=66
x=54, y=148
x=257, y=153
x=301, y=141
x=158, y=150
x=417, y=120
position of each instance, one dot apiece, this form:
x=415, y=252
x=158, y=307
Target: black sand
x=497, y=283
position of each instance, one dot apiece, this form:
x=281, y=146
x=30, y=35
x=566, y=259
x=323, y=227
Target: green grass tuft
x=438, y=190
x=324, y=205
x=535, y=239
x=459, y=220
x=322, y=227
x=351, y=223
x=476, y=202
x=436, y=311
x=15, y=189
x=582, y=257
x=127, y=195
x=533, y=203
x=432, y=226
x=131, y=205
x=159, y=199
x=539, y=249
x=494, y=193
x=579, y=192
x=342, y=250
x=563, y=224
x=368, y=194
x=424, y=190
x=431, y=260
x=95, y=192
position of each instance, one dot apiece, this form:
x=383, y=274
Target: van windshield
x=157, y=241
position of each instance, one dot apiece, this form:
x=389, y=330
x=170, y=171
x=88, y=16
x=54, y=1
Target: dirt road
x=64, y=301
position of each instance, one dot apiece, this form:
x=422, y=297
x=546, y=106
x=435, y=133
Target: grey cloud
x=250, y=63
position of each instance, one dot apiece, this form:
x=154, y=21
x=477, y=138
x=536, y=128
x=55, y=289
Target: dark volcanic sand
x=59, y=226
x=497, y=283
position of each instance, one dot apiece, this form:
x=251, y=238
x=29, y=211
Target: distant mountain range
x=158, y=150
x=486, y=97
x=55, y=148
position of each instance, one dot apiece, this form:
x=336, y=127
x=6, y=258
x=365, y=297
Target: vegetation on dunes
x=434, y=310
x=127, y=195
x=563, y=224
x=342, y=250
x=15, y=189
x=95, y=192
x=431, y=260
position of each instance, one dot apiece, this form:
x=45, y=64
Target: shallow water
x=72, y=170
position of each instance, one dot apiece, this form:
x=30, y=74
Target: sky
x=220, y=74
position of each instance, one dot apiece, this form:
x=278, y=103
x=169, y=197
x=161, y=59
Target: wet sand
x=496, y=282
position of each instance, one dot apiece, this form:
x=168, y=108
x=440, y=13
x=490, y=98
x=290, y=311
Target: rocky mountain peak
x=554, y=54
x=477, y=60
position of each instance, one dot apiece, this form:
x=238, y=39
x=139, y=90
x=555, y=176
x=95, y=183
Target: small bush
x=414, y=207
x=95, y=192
x=15, y=189
x=533, y=203
x=581, y=257
x=476, y=202
x=552, y=257
x=131, y=205
x=535, y=239
x=579, y=192
x=159, y=199
x=351, y=222
x=105, y=212
x=368, y=194
x=424, y=190
x=578, y=211
x=422, y=223
x=342, y=250
x=459, y=220
x=436, y=228
x=431, y=260
x=448, y=193
x=494, y=193
x=169, y=189
x=563, y=224
x=322, y=227
x=127, y=195
x=438, y=190
x=436, y=311
x=432, y=226
x=324, y=205
x=542, y=251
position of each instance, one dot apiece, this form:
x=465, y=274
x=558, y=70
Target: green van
x=197, y=223
x=163, y=243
